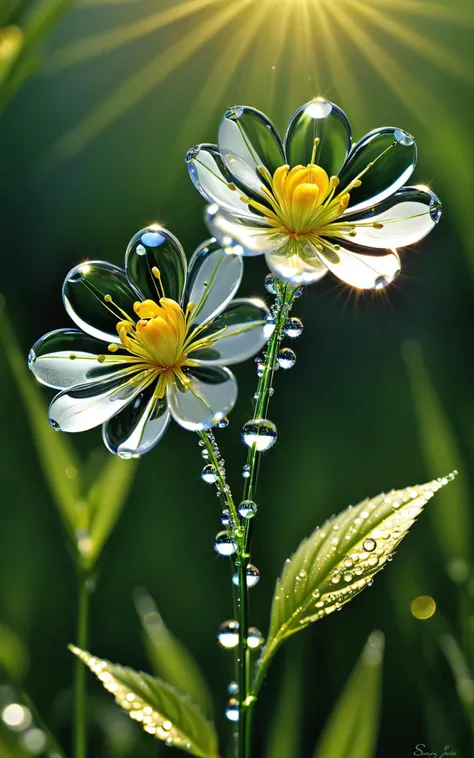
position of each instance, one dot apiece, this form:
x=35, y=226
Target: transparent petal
x=138, y=427
x=155, y=247
x=393, y=152
x=323, y=120
x=211, y=177
x=361, y=271
x=247, y=139
x=213, y=279
x=216, y=388
x=406, y=217
x=239, y=235
x=88, y=405
x=67, y=357
x=242, y=325
x=84, y=290
x=296, y=262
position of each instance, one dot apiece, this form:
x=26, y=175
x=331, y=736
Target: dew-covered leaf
x=169, y=658
x=57, y=456
x=162, y=711
x=451, y=514
x=341, y=558
x=106, y=499
x=352, y=728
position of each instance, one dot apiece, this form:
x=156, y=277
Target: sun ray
x=344, y=79
x=144, y=81
x=424, y=46
x=415, y=97
x=277, y=37
x=224, y=69
x=98, y=44
x=430, y=9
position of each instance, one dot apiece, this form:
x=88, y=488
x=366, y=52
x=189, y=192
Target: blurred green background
x=92, y=149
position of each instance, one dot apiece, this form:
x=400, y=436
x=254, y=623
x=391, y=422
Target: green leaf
x=452, y=519
x=169, y=658
x=283, y=738
x=57, y=456
x=161, y=710
x=352, y=728
x=461, y=673
x=341, y=558
x=106, y=498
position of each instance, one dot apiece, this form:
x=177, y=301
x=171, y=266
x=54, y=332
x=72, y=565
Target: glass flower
x=314, y=202
x=154, y=342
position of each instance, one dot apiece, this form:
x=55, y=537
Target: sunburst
x=299, y=47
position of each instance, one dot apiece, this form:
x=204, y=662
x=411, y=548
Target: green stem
x=80, y=669
x=286, y=295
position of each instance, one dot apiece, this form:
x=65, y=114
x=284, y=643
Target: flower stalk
x=80, y=716
x=285, y=296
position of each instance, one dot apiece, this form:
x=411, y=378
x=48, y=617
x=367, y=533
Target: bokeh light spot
x=423, y=607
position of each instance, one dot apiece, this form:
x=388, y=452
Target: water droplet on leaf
x=208, y=474
x=228, y=634
x=224, y=544
x=286, y=358
x=248, y=508
x=259, y=433
x=293, y=327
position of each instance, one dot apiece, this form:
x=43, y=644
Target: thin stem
x=248, y=696
x=80, y=669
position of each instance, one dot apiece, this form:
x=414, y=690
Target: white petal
x=242, y=334
x=138, y=427
x=213, y=279
x=89, y=405
x=216, y=390
x=67, y=357
x=361, y=271
x=406, y=217
x=241, y=237
x=296, y=262
x=211, y=178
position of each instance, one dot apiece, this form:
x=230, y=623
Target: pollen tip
x=136, y=306
x=156, y=272
x=101, y=358
x=108, y=298
x=316, y=141
x=112, y=348
x=378, y=225
x=231, y=186
x=190, y=306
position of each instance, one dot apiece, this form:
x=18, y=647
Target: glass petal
x=325, y=121
x=393, y=154
x=404, y=218
x=216, y=390
x=136, y=430
x=155, y=247
x=241, y=236
x=247, y=139
x=242, y=333
x=211, y=177
x=296, y=262
x=84, y=290
x=88, y=405
x=361, y=271
x=214, y=278
x=67, y=357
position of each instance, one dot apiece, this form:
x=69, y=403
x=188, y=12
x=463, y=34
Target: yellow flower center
x=302, y=201
x=158, y=343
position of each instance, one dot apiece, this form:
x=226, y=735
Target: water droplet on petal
x=208, y=474
x=228, y=634
x=403, y=138
x=270, y=283
x=224, y=544
x=369, y=545
x=232, y=710
x=248, y=508
x=259, y=433
x=436, y=210
x=55, y=425
x=223, y=423
x=254, y=638
x=31, y=358
x=286, y=358
x=140, y=250
x=293, y=327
